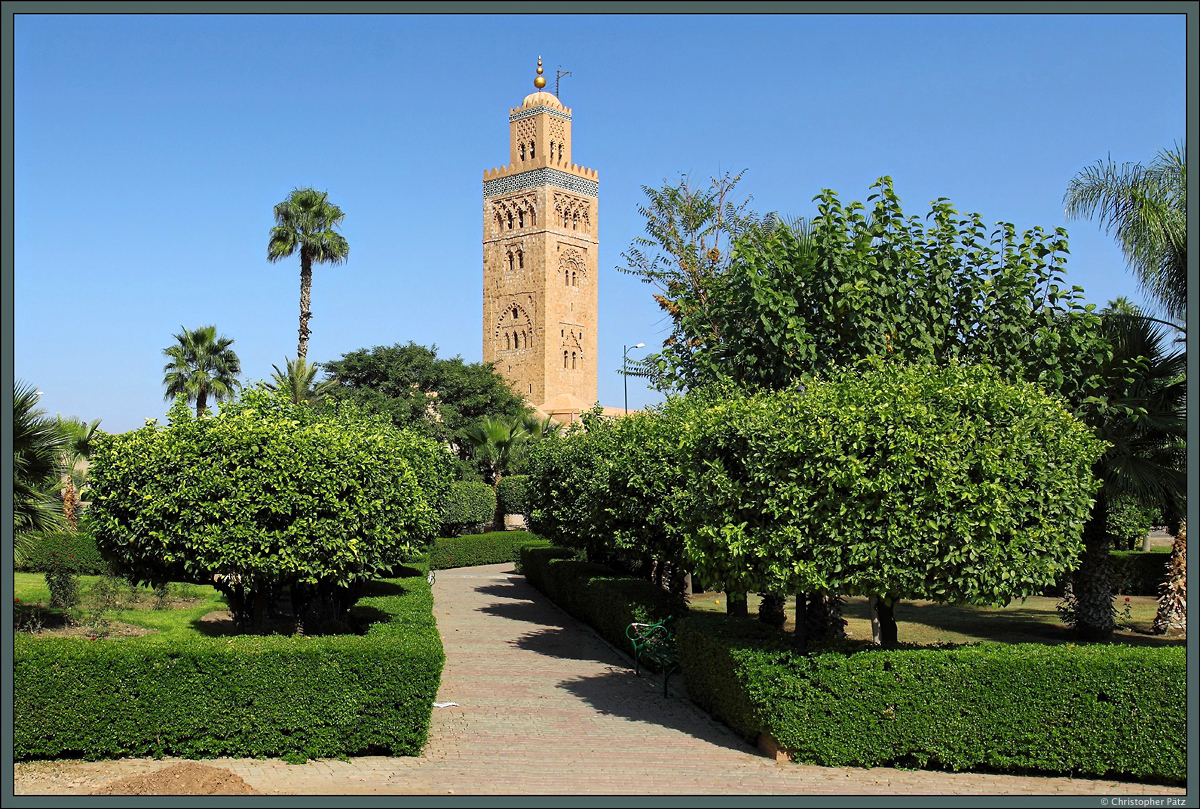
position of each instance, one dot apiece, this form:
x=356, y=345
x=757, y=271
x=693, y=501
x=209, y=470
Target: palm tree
x=305, y=221
x=77, y=448
x=1143, y=421
x=297, y=381
x=37, y=447
x=202, y=365
x=1146, y=207
x=498, y=445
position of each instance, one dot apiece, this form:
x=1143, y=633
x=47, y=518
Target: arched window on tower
x=510, y=261
x=575, y=222
x=564, y=359
x=507, y=344
x=532, y=218
x=514, y=313
x=572, y=360
x=522, y=151
x=515, y=343
x=532, y=150
x=521, y=259
x=510, y=220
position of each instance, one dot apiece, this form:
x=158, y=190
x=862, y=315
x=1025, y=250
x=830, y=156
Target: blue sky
x=150, y=150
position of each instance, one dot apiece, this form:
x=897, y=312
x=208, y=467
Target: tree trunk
x=883, y=621
x=735, y=604
x=771, y=609
x=201, y=402
x=70, y=504
x=1091, y=584
x=825, y=616
x=800, y=634
x=1172, y=600
x=305, y=301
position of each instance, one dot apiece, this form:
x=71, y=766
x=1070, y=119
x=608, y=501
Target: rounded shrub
x=467, y=506
x=266, y=495
x=511, y=492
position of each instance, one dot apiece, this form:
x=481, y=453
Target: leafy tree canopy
x=412, y=387
x=855, y=282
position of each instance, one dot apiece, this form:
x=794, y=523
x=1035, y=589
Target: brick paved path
x=546, y=707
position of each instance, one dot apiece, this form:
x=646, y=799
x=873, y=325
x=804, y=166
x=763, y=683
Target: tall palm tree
x=305, y=221
x=77, y=448
x=297, y=381
x=1143, y=421
x=37, y=447
x=201, y=365
x=1146, y=208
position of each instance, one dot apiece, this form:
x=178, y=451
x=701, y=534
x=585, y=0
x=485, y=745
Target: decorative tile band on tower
x=540, y=177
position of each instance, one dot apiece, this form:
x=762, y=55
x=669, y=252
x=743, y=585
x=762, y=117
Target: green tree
x=78, y=440
x=1145, y=208
x=298, y=382
x=38, y=446
x=1141, y=416
x=887, y=480
x=796, y=298
x=306, y=221
x=413, y=388
x=202, y=365
x=266, y=496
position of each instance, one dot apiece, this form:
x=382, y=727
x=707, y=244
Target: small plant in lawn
x=62, y=581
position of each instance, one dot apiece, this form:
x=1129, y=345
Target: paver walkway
x=544, y=706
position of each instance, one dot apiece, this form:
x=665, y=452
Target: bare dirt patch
x=183, y=778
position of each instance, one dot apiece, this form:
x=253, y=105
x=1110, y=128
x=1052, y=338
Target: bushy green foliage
x=1128, y=520
x=614, y=489
x=511, y=492
x=492, y=548
x=1138, y=573
x=79, y=546
x=858, y=282
x=266, y=494
x=247, y=696
x=899, y=481
x=596, y=594
x=1101, y=711
x=415, y=389
x=467, y=505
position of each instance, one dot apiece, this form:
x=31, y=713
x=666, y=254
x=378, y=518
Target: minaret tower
x=539, y=257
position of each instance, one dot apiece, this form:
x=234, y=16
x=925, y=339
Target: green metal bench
x=655, y=643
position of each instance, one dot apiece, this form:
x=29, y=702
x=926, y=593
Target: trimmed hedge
x=605, y=600
x=78, y=547
x=246, y=696
x=481, y=549
x=511, y=492
x=1138, y=573
x=1099, y=711
x=467, y=505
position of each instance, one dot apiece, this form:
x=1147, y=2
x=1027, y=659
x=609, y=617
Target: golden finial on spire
x=539, y=82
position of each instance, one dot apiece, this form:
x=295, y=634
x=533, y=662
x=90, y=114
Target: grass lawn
x=126, y=607
x=1033, y=620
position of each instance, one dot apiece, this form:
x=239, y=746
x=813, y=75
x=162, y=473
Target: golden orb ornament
x=539, y=82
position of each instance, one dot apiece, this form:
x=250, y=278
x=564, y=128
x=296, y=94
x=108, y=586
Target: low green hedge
x=605, y=600
x=1138, y=573
x=76, y=550
x=511, y=492
x=467, y=505
x=492, y=548
x=1099, y=711
x=246, y=696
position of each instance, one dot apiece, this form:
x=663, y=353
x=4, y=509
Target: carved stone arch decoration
x=514, y=321
x=572, y=262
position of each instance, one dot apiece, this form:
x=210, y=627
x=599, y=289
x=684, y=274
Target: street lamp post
x=625, y=370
